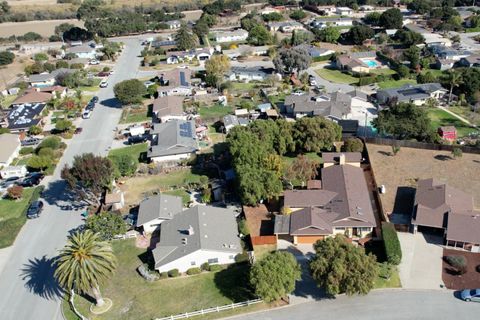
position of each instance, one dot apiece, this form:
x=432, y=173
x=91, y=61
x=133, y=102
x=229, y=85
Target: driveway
x=329, y=86
x=421, y=266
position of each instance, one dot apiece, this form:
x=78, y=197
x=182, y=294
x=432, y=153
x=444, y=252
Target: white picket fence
x=211, y=310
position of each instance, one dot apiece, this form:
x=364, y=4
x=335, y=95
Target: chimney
x=341, y=159
x=190, y=230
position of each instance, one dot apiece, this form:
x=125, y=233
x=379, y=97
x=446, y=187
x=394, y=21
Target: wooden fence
x=261, y=240
x=422, y=145
x=211, y=310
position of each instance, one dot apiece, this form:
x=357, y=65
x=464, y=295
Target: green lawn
x=136, y=149
x=383, y=71
x=440, y=118
x=94, y=87
x=243, y=86
x=215, y=112
x=395, y=83
x=336, y=76
x=14, y=208
x=132, y=115
x=437, y=73
x=388, y=277
x=135, y=298
x=287, y=160
x=7, y=101
x=180, y=193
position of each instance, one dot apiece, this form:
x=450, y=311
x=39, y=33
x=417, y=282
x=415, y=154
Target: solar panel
x=185, y=129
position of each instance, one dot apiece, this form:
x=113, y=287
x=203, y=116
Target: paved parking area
x=421, y=266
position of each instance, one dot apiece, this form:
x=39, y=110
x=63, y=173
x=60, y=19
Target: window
x=231, y=257
x=339, y=228
x=193, y=263
x=212, y=261
x=365, y=229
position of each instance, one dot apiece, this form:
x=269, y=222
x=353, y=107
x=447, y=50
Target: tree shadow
x=58, y=194
x=385, y=153
x=111, y=103
x=233, y=282
x=442, y=157
x=39, y=277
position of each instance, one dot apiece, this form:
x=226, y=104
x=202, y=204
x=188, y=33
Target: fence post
x=218, y=309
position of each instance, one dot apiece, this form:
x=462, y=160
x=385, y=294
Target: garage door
x=309, y=239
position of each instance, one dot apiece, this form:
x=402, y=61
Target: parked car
x=137, y=139
x=78, y=130
x=94, y=62
x=470, y=295
x=103, y=74
x=94, y=99
x=148, y=83
x=35, y=209
x=30, y=142
x=86, y=114
x=32, y=180
x=5, y=184
x=90, y=106
x=298, y=93
x=104, y=84
x=313, y=82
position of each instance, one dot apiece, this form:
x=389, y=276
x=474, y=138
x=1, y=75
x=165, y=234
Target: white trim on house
x=198, y=258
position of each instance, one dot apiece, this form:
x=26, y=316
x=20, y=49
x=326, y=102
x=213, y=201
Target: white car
x=298, y=93
x=94, y=62
x=86, y=114
x=104, y=84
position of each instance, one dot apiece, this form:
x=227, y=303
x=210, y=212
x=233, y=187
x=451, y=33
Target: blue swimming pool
x=371, y=63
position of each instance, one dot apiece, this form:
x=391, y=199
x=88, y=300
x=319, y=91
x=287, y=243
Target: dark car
x=94, y=99
x=32, y=180
x=30, y=142
x=137, y=139
x=35, y=210
x=78, y=130
x=90, y=106
x=9, y=182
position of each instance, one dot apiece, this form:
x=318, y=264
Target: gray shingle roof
x=173, y=137
x=161, y=206
x=408, y=92
x=213, y=229
x=335, y=105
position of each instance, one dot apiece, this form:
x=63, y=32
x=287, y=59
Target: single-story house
x=23, y=116
x=285, y=26
x=173, y=141
x=155, y=210
x=470, y=61
x=362, y=62
x=448, y=53
x=174, y=24
x=83, y=51
x=10, y=148
x=344, y=11
x=444, y=64
x=314, y=51
x=417, y=94
x=230, y=36
x=166, y=44
x=177, y=82
x=335, y=106
x=168, y=107
x=448, y=133
x=13, y=171
x=201, y=54
x=248, y=74
x=230, y=121
x=341, y=206
x=334, y=22
x=33, y=97
x=327, y=10
x=246, y=50
x=201, y=234
x=439, y=206
x=48, y=79
x=435, y=39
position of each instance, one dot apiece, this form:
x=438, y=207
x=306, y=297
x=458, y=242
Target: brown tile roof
x=464, y=227
x=350, y=157
x=168, y=105
x=307, y=198
x=174, y=77
x=310, y=221
x=33, y=97
x=314, y=184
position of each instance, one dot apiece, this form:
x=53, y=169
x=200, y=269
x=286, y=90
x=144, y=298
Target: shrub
x=243, y=228
x=45, y=152
x=241, y=257
x=173, y=273
x=393, y=250
x=50, y=142
x=205, y=266
x=125, y=163
x=193, y=271
x=26, y=150
x=215, y=267
x=458, y=262
x=6, y=57
x=163, y=275
x=353, y=145
x=15, y=192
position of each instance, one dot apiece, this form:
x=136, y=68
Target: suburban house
x=315, y=52
x=334, y=158
x=83, y=51
x=448, y=133
x=444, y=64
x=334, y=22
x=23, y=116
x=344, y=11
x=32, y=97
x=417, y=94
x=48, y=79
x=448, y=53
x=230, y=121
x=154, y=210
x=10, y=148
x=335, y=106
x=13, y=171
x=175, y=82
x=285, y=26
x=230, y=36
x=361, y=62
x=327, y=10
x=470, y=61
x=439, y=206
x=173, y=141
x=246, y=50
x=201, y=54
x=339, y=204
x=198, y=235
x=174, y=24
x=248, y=74
x=167, y=108
x=166, y=44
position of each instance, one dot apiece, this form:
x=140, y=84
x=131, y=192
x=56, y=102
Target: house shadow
x=442, y=157
x=233, y=282
x=58, y=194
x=404, y=200
x=147, y=258
x=38, y=275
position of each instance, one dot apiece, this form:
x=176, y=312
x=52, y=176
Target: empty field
x=44, y=28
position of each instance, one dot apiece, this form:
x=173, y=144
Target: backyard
x=388, y=84
x=135, y=298
x=214, y=112
x=139, y=114
x=336, y=76
x=137, y=150
x=441, y=118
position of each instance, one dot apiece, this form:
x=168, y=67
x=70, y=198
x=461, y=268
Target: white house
x=201, y=54
x=230, y=36
x=175, y=82
x=175, y=24
x=248, y=74
x=157, y=209
x=10, y=148
x=417, y=94
x=334, y=22
x=246, y=50
x=201, y=234
x=13, y=171
x=83, y=51
x=285, y=26
x=344, y=11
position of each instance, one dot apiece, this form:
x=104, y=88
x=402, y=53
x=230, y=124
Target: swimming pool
x=371, y=63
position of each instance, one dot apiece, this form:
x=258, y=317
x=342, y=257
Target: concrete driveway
x=329, y=86
x=421, y=266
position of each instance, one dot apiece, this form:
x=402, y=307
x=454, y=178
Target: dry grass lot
x=44, y=28
x=410, y=164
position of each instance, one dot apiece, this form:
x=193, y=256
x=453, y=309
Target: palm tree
x=454, y=79
x=84, y=263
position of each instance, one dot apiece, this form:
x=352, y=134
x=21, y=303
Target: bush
x=46, y=152
x=173, y=273
x=393, y=250
x=193, y=271
x=163, y=275
x=243, y=228
x=458, y=262
x=125, y=163
x=241, y=257
x=205, y=266
x=215, y=267
x=50, y=142
x=26, y=150
x=146, y=273
x=15, y=192
x=6, y=57
x=353, y=145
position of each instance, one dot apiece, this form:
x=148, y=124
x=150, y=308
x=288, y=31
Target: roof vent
x=190, y=230
x=184, y=241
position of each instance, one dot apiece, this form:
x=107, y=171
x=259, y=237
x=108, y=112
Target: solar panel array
x=185, y=129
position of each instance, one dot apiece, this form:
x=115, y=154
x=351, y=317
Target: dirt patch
x=44, y=28
x=468, y=280
x=400, y=173
x=259, y=221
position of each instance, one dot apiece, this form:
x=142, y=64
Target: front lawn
x=388, y=276
x=14, y=208
x=135, y=298
x=441, y=118
x=215, y=112
x=136, y=150
x=395, y=83
x=383, y=71
x=133, y=115
x=336, y=76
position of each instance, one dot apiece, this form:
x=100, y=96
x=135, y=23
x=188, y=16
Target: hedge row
x=393, y=250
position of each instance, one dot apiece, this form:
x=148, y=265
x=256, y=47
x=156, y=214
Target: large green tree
x=290, y=60
x=391, y=19
x=106, y=224
x=359, y=33
x=314, y=134
x=340, y=267
x=6, y=57
x=130, y=91
x=274, y=276
x=85, y=263
x=259, y=36
x=302, y=169
x=185, y=39
x=328, y=34
x=217, y=66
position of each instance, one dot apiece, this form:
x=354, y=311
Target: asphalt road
x=382, y=304
x=28, y=289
